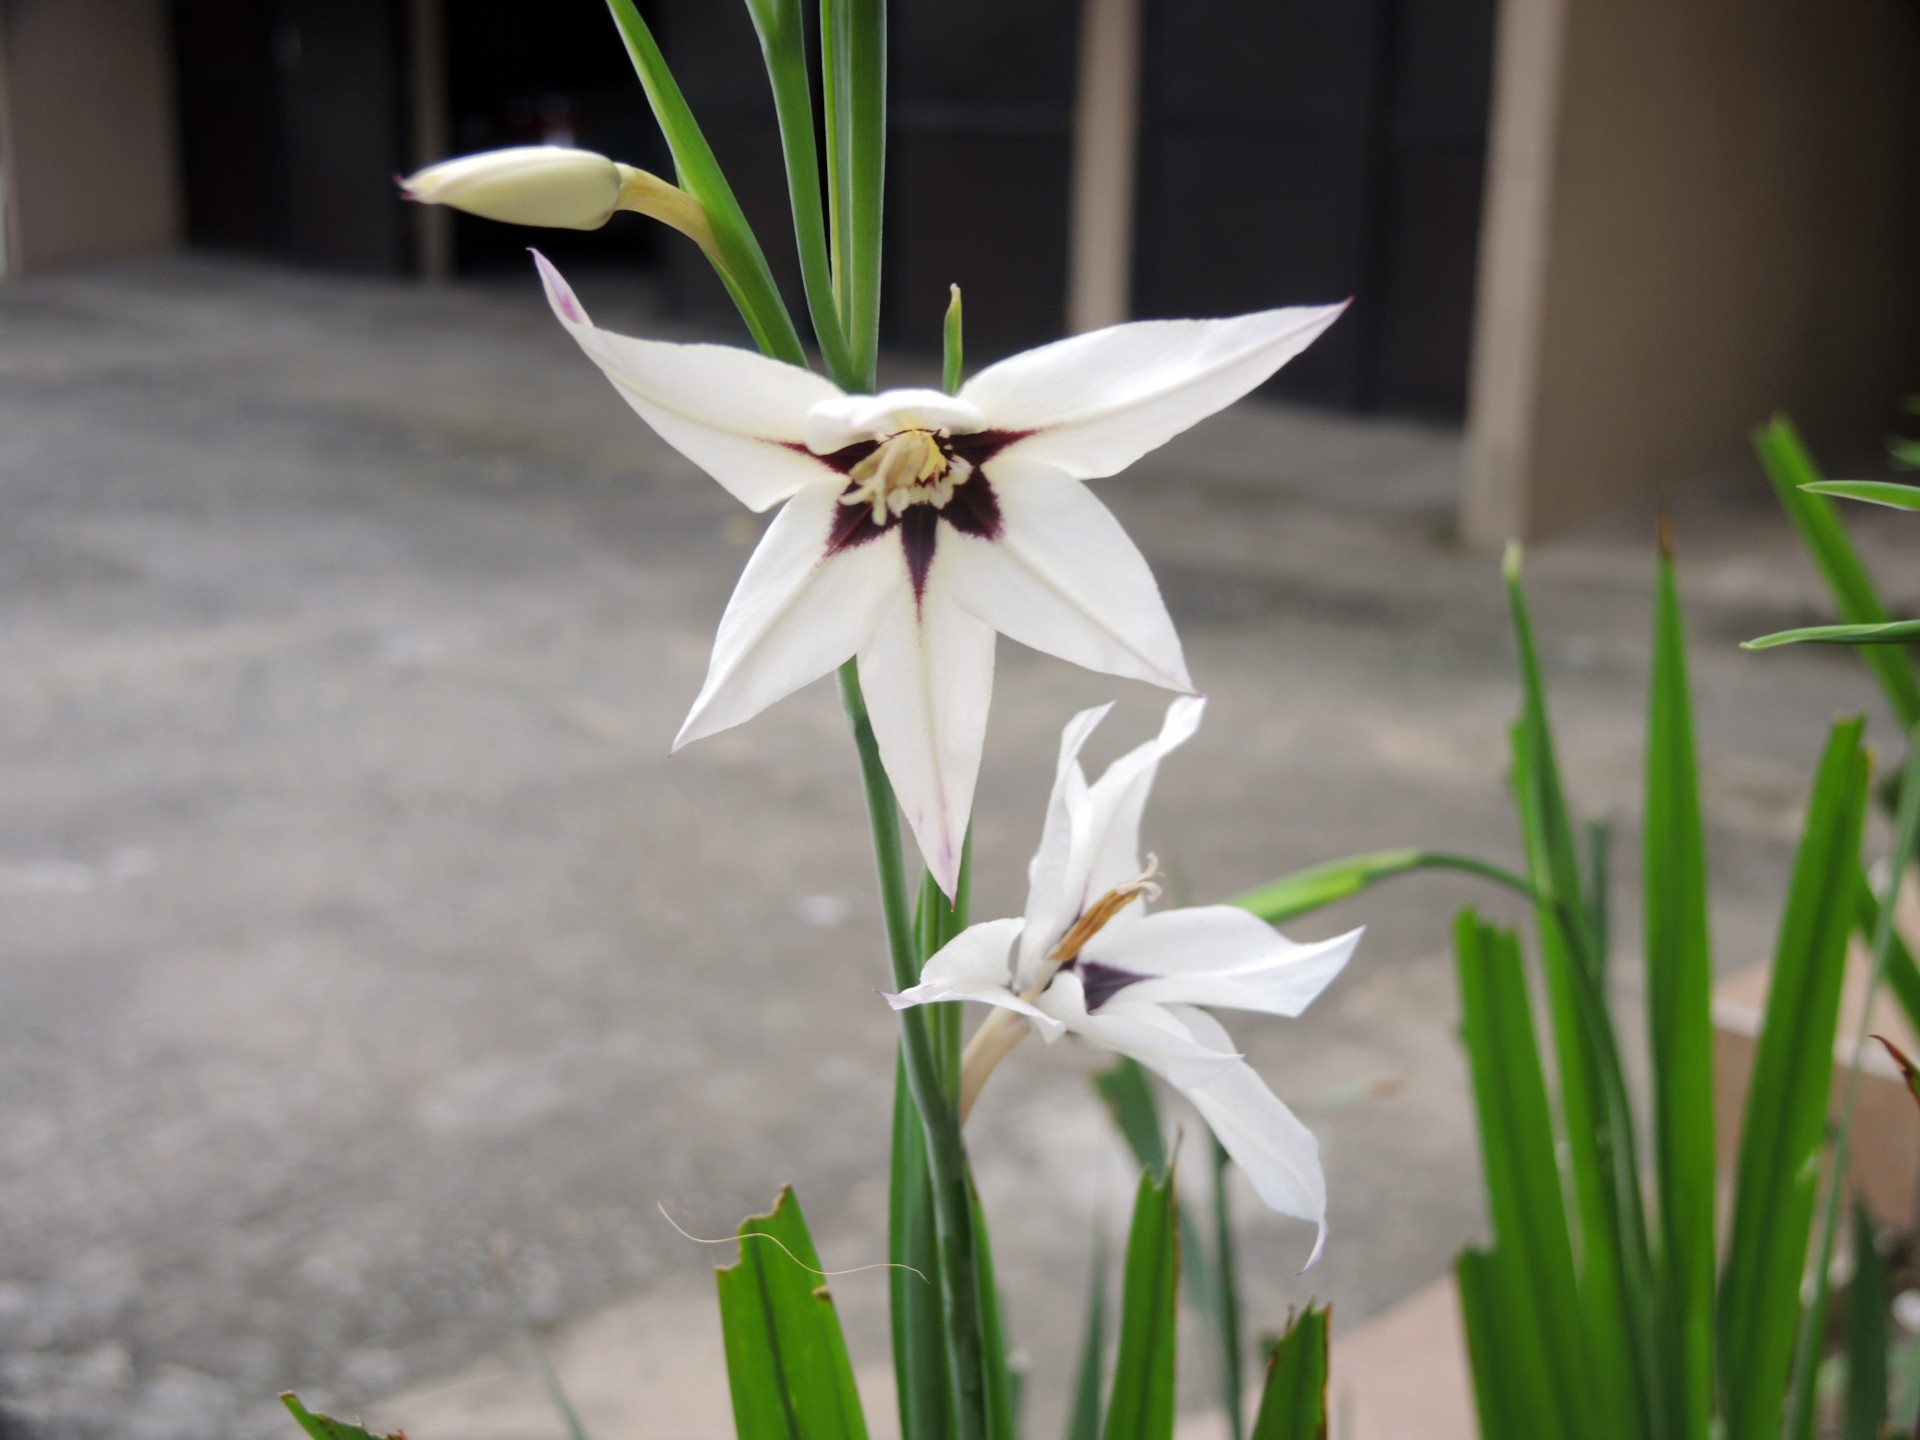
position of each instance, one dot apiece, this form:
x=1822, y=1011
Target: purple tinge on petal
x=1103, y=982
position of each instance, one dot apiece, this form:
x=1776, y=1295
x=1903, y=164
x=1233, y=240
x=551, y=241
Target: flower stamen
x=908, y=468
x=1095, y=917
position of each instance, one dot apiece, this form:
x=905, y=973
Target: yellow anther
x=905, y=469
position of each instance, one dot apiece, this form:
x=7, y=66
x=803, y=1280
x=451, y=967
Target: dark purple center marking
x=1103, y=982
x=973, y=510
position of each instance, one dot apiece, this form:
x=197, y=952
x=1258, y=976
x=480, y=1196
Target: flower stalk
x=946, y=1154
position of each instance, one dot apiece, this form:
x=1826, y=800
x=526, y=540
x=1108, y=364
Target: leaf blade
x=1320, y=885
x=1525, y=1201
x=1780, y=1138
x=1679, y=963
x=1889, y=632
x=325, y=1427
x=1293, y=1404
x=1140, y=1405
x=743, y=265
x=1890, y=493
x=787, y=1364
x=1791, y=470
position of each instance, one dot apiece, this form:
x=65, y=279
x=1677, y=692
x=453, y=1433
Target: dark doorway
x=549, y=75
x=292, y=127
x=1314, y=150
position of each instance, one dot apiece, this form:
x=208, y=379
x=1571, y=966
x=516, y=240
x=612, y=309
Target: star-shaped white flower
x=1085, y=959
x=916, y=524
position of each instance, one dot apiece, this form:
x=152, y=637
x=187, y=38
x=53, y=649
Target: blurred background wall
x=1608, y=234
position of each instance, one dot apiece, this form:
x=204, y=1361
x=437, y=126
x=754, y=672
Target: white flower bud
x=548, y=185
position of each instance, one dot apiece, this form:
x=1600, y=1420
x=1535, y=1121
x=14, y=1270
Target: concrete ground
x=353, y=920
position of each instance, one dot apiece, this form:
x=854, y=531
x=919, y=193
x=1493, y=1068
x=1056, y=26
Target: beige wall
x=1699, y=211
x=87, y=114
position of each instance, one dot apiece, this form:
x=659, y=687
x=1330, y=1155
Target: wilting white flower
x=556, y=187
x=1086, y=959
x=916, y=524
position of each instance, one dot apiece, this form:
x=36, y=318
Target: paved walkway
x=352, y=917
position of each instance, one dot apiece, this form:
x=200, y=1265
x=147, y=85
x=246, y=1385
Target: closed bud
x=555, y=187
x=548, y=185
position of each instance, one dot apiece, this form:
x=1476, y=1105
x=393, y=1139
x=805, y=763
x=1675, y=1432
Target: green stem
x=783, y=47
x=946, y=1153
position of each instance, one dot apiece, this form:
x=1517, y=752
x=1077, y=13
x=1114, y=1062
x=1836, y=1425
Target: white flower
x=1085, y=959
x=915, y=524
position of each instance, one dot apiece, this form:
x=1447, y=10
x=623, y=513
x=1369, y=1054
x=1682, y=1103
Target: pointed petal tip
x=1319, y=1244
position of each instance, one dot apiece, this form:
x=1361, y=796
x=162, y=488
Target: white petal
x=1063, y=577
x=977, y=964
x=845, y=419
x=738, y=415
x=1266, y=1139
x=1055, y=883
x=1118, y=797
x=1220, y=955
x=1096, y=403
x=796, y=613
x=1152, y=1034
x=927, y=673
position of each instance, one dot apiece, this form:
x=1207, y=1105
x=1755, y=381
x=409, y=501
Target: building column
x=89, y=153
x=1106, y=127
x=1699, y=212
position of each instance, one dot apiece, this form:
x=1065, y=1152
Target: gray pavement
x=352, y=918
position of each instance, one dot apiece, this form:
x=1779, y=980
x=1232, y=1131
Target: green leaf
x=325, y=1427
x=1598, y=887
x=742, y=266
x=1790, y=469
x=1524, y=1198
x=1868, y=1305
x=783, y=45
x=1777, y=1171
x=1891, y=632
x=1293, y=1406
x=1616, y=1278
x=786, y=1358
x=1002, y=1421
x=1225, y=1297
x=1808, y=1364
x=1128, y=1093
x=1874, y=492
x=923, y=1379
x=1140, y=1406
x=1083, y=1421
x=1511, y=1374
x=1321, y=885
x=1679, y=1026
x=853, y=58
